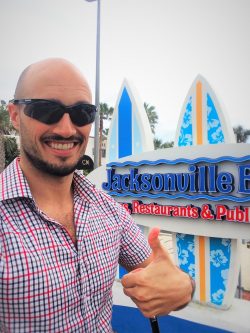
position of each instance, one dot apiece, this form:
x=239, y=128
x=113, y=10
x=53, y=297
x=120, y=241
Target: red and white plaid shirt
x=46, y=284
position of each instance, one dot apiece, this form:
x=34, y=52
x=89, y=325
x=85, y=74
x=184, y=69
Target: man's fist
x=160, y=287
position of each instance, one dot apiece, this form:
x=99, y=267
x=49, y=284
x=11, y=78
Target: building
x=90, y=150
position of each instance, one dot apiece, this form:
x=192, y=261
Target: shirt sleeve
x=134, y=246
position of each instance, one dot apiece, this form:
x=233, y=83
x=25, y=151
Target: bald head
x=53, y=78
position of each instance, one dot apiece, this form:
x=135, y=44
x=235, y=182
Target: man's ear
x=14, y=115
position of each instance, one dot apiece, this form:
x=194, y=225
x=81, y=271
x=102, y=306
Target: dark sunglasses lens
x=44, y=111
x=83, y=114
x=49, y=112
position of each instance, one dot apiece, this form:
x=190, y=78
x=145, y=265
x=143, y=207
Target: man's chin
x=60, y=169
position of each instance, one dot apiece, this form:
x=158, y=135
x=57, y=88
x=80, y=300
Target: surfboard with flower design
x=210, y=261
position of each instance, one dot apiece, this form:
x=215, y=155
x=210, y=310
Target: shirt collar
x=13, y=184
x=83, y=187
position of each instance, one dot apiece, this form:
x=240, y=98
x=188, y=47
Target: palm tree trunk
x=2, y=153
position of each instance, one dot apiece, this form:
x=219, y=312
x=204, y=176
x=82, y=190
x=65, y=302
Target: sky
x=160, y=46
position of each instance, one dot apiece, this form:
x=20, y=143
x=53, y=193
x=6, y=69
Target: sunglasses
x=50, y=112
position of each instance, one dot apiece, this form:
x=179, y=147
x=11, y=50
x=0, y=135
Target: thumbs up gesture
x=157, y=286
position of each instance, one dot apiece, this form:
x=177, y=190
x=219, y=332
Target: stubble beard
x=34, y=157
x=50, y=168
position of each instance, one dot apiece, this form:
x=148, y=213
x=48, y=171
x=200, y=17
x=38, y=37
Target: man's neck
x=53, y=195
x=48, y=188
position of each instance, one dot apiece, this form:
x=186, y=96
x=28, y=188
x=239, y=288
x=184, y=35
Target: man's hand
x=160, y=287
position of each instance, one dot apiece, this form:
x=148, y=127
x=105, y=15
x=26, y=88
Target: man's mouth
x=61, y=146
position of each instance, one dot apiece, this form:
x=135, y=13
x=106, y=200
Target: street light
x=97, y=85
x=153, y=321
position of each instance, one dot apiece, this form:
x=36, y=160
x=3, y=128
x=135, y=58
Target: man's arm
x=157, y=286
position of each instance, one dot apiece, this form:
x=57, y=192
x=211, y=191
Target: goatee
x=49, y=168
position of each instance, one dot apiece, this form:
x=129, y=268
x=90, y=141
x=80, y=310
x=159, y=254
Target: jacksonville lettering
x=198, y=179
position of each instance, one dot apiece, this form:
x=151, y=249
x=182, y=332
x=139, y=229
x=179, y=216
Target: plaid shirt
x=46, y=284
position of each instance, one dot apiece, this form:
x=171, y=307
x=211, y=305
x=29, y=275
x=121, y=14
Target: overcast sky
x=160, y=46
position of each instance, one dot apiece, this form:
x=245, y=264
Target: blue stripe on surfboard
x=125, y=125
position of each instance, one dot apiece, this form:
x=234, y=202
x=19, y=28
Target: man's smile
x=60, y=145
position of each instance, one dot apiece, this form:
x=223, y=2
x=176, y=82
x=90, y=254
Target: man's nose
x=64, y=127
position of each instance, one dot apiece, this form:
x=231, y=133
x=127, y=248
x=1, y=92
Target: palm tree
x=2, y=153
x=3, y=121
x=7, y=144
x=158, y=144
x=169, y=144
x=241, y=134
x=106, y=113
x=152, y=116
x=11, y=149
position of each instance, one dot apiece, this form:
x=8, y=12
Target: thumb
x=154, y=242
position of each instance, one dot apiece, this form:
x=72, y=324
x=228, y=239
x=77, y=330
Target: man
x=61, y=238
